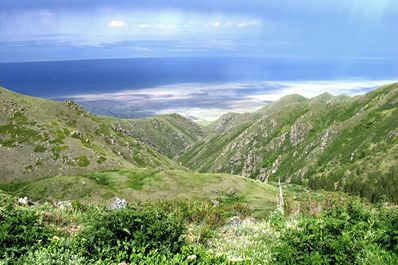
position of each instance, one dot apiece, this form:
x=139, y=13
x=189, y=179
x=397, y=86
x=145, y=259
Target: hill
x=145, y=184
x=334, y=143
x=59, y=151
x=40, y=137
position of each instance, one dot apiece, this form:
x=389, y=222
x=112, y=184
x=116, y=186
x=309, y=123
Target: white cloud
x=208, y=101
x=312, y=89
x=117, y=24
x=250, y=23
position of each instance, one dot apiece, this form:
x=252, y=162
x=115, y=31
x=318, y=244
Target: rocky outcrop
x=298, y=132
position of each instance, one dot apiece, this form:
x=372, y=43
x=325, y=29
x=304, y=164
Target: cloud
x=208, y=101
x=117, y=24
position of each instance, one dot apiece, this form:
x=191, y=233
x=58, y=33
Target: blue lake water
x=63, y=78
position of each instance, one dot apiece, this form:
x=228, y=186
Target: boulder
x=231, y=192
x=215, y=202
x=23, y=201
x=235, y=221
x=118, y=203
x=64, y=205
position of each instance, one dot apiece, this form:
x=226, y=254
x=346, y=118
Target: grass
x=150, y=185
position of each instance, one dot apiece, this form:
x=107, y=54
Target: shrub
x=346, y=235
x=101, y=159
x=82, y=161
x=20, y=230
x=100, y=178
x=56, y=253
x=39, y=149
x=146, y=227
x=204, y=212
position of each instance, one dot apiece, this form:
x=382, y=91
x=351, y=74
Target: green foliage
x=101, y=159
x=140, y=227
x=58, y=252
x=18, y=133
x=39, y=149
x=71, y=123
x=82, y=161
x=136, y=179
x=344, y=235
x=20, y=230
x=12, y=187
x=100, y=178
x=19, y=117
x=204, y=212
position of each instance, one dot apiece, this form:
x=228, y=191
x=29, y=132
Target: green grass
x=137, y=179
x=151, y=185
x=82, y=161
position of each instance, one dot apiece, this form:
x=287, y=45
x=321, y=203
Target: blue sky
x=336, y=46
x=342, y=30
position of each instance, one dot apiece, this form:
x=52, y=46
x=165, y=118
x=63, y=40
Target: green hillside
x=170, y=134
x=59, y=151
x=227, y=122
x=40, y=137
x=148, y=185
x=335, y=143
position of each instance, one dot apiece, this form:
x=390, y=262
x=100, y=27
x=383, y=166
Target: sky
x=45, y=30
x=354, y=39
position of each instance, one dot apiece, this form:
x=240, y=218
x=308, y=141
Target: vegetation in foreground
x=328, y=231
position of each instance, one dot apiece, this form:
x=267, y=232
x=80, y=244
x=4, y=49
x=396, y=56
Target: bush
x=204, y=212
x=100, y=178
x=57, y=253
x=20, y=230
x=145, y=227
x=346, y=235
x=82, y=161
x=39, y=149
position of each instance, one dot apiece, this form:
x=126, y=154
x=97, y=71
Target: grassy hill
x=335, y=143
x=40, y=137
x=149, y=185
x=59, y=151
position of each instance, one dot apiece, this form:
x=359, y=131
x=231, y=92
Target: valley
x=294, y=162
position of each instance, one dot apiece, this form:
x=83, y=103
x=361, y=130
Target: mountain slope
x=228, y=121
x=170, y=134
x=328, y=142
x=45, y=138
